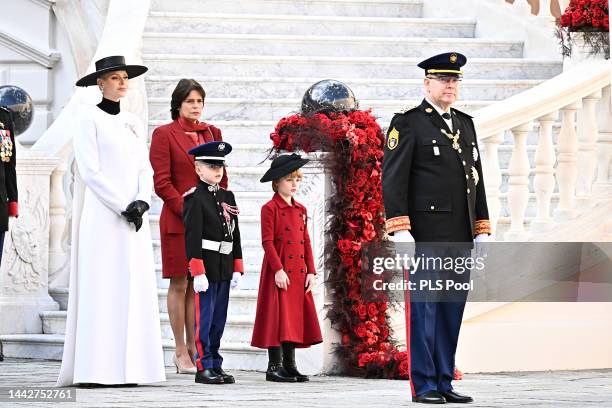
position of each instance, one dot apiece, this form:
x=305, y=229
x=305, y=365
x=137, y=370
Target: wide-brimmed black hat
x=109, y=64
x=283, y=165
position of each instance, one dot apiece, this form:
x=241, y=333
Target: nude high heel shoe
x=181, y=370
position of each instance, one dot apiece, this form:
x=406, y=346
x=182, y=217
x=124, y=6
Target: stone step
x=242, y=301
x=290, y=87
x=191, y=65
x=368, y=8
x=255, y=155
x=253, y=132
x=249, y=224
x=249, y=203
x=250, y=279
x=336, y=46
x=274, y=109
x=235, y=131
x=174, y=22
x=238, y=328
x=238, y=355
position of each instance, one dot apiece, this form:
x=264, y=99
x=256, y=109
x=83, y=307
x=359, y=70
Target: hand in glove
x=480, y=245
x=403, y=236
x=134, y=212
x=403, y=242
x=135, y=209
x=200, y=283
x=236, y=279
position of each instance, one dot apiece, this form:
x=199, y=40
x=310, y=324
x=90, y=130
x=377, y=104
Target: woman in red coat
x=174, y=174
x=286, y=315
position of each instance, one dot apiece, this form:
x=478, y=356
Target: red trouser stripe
x=197, y=333
x=407, y=315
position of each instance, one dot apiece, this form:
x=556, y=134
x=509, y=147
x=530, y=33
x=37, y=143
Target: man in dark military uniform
x=8, y=178
x=433, y=191
x=212, y=240
x=8, y=175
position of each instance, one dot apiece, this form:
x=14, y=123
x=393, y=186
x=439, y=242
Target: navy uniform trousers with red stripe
x=433, y=321
x=211, y=314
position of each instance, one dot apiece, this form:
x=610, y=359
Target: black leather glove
x=134, y=212
x=135, y=209
x=137, y=222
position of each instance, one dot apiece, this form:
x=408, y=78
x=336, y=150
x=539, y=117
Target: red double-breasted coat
x=285, y=315
x=174, y=174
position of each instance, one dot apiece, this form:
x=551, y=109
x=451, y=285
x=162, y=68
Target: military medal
x=475, y=154
x=6, y=146
x=453, y=137
x=475, y=175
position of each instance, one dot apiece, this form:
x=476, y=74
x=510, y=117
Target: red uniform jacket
x=174, y=174
x=285, y=315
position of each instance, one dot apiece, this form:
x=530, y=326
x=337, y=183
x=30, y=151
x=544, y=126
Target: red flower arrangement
x=591, y=19
x=355, y=141
x=583, y=15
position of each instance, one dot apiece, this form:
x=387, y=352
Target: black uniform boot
x=275, y=371
x=289, y=362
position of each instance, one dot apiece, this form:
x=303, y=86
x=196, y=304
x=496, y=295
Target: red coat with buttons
x=285, y=315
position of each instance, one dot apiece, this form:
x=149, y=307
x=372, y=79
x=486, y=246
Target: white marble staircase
x=255, y=58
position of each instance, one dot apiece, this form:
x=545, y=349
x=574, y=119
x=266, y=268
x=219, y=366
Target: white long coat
x=113, y=334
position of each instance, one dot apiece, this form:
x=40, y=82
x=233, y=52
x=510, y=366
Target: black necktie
x=446, y=115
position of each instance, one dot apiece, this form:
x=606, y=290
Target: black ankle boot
x=275, y=371
x=289, y=362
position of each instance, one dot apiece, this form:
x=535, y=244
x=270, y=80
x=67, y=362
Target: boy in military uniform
x=212, y=240
x=433, y=191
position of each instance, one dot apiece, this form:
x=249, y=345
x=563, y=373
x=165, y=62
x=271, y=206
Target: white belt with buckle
x=223, y=247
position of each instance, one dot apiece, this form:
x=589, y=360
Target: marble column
x=314, y=189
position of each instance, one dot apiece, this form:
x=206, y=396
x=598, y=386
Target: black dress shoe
x=208, y=376
x=430, y=397
x=227, y=378
x=452, y=396
x=277, y=373
x=293, y=371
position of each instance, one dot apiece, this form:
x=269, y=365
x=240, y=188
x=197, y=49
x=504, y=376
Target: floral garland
x=355, y=141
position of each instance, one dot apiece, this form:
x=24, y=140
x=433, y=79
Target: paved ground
x=540, y=389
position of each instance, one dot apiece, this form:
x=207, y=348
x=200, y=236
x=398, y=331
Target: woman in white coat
x=113, y=334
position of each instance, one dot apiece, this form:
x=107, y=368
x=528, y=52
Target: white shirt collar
x=449, y=122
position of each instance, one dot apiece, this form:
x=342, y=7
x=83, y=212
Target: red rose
x=344, y=245
x=384, y=332
x=361, y=330
x=371, y=340
x=346, y=339
x=372, y=310
x=362, y=312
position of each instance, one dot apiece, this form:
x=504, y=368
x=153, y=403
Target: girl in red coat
x=286, y=316
x=173, y=176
